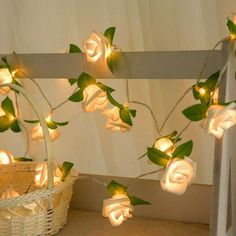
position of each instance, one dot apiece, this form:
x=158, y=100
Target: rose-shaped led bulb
x=164, y=145
x=94, y=98
x=117, y=209
x=219, y=118
x=114, y=122
x=97, y=46
x=6, y=157
x=36, y=133
x=41, y=174
x=5, y=77
x=178, y=175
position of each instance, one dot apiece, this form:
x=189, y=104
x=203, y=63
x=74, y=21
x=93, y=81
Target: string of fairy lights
x=172, y=158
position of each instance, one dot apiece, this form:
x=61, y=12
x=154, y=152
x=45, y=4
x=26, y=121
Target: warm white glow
x=164, y=145
x=117, y=209
x=5, y=77
x=97, y=46
x=36, y=133
x=219, y=118
x=178, y=175
x=215, y=97
x=9, y=193
x=202, y=91
x=94, y=98
x=41, y=174
x=5, y=157
x=114, y=122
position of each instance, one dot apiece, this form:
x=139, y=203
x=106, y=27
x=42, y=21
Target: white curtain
x=30, y=26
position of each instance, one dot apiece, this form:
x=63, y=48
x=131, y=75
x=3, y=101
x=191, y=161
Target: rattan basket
x=36, y=211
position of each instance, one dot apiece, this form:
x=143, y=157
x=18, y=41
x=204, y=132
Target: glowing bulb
x=117, y=209
x=202, y=91
x=164, y=145
x=215, y=97
x=6, y=157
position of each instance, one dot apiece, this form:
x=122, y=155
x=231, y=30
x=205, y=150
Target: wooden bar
x=133, y=65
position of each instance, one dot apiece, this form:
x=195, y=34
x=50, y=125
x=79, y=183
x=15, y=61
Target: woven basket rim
x=37, y=194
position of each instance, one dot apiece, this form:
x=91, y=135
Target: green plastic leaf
x=116, y=188
x=77, y=96
x=158, y=157
x=22, y=159
x=110, y=63
x=231, y=26
x=72, y=81
x=133, y=112
x=61, y=123
x=113, y=101
x=31, y=121
x=85, y=80
x=196, y=93
x=125, y=116
x=105, y=87
x=74, y=49
x=109, y=34
x=8, y=107
x=196, y=112
x=65, y=169
x=15, y=126
x=137, y=201
x=184, y=150
x=51, y=124
x=4, y=123
x=212, y=81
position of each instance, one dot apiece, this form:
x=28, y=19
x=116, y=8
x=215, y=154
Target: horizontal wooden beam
x=134, y=65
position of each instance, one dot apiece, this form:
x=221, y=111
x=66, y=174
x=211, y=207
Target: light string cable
x=198, y=80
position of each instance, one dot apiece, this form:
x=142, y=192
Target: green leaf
x=15, y=126
x=110, y=63
x=157, y=156
x=212, y=81
x=85, y=80
x=133, y=112
x=196, y=93
x=4, y=123
x=184, y=150
x=72, y=81
x=3, y=66
x=105, y=87
x=8, y=107
x=196, y=112
x=61, y=123
x=231, y=27
x=125, y=116
x=74, y=49
x=109, y=34
x=137, y=201
x=65, y=169
x=51, y=124
x=113, y=101
x=31, y=121
x=22, y=159
x=77, y=96
x=116, y=188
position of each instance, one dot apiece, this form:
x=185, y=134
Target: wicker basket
x=35, y=211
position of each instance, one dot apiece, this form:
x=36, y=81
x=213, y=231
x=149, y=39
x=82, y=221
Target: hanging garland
x=166, y=152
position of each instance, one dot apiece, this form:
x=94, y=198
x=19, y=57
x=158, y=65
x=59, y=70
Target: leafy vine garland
x=178, y=169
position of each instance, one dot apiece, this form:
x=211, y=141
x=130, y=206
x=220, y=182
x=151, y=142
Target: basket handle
x=44, y=126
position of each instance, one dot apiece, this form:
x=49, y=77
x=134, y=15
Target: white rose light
x=41, y=174
x=164, y=145
x=219, y=118
x=5, y=77
x=117, y=209
x=114, y=122
x=5, y=157
x=36, y=133
x=97, y=46
x=94, y=98
x=178, y=175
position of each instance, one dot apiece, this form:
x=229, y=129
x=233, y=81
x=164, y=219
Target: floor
x=83, y=223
